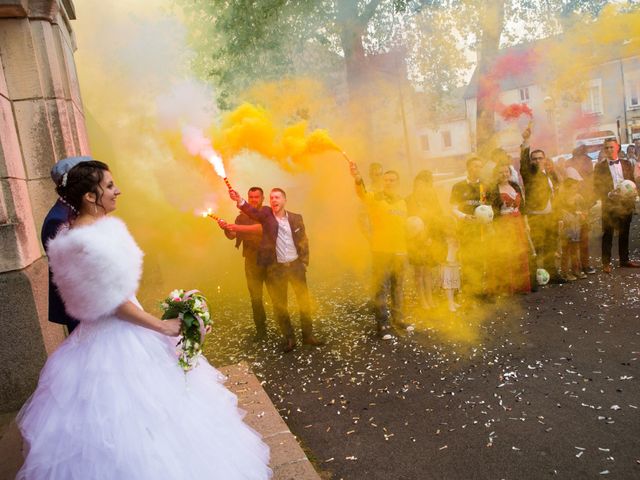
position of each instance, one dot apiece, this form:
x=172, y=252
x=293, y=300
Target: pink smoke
x=508, y=65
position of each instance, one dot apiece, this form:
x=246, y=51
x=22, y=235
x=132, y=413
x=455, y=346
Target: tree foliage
x=241, y=42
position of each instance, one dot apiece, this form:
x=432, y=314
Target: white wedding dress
x=112, y=402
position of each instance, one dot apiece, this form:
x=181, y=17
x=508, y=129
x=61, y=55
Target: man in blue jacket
x=59, y=214
x=284, y=251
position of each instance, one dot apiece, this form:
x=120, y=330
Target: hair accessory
x=73, y=209
x=63, y=182
x=64, y=166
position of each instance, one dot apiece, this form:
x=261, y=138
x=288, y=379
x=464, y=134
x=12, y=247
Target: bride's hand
x=171, y=327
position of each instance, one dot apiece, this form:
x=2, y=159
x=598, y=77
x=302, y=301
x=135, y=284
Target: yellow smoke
x=250, y=127
x=134, y=114
x=286, y=133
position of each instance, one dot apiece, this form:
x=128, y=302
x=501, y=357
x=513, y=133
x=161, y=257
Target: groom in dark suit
x=284, y=251
x=617, y=210
x=59, y=214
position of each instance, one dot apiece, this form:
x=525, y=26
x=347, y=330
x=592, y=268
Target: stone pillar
x=41, y=122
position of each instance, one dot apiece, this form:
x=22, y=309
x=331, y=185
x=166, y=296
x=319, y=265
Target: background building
x=604, y=94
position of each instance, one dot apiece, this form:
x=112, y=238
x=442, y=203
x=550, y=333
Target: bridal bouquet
x=191, y=308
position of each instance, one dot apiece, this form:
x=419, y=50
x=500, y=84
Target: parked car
x=563, y=157
x=594, y=141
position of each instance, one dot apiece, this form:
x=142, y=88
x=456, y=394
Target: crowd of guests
x=509, y=228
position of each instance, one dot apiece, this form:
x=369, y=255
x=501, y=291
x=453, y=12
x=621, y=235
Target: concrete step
x=288, y=460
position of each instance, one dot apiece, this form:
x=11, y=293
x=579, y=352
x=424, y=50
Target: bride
x=112, y=402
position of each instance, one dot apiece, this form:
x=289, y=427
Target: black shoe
x=486, y=298
x=313, y=341
x=260, y=336
x=589, y=270
x=289, y=344
x=630, y=264
x=557, y=280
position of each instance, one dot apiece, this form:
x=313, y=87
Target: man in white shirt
x=617, y=210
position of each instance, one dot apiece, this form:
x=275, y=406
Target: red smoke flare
x=515, y=110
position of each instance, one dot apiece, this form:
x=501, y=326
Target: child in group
x=571, y=206
x=451, y=268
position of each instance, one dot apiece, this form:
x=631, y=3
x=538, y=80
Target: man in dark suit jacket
x=540, y=187
x=284, y=251
x=617, y=210
x=59, y=214
x=248, y=233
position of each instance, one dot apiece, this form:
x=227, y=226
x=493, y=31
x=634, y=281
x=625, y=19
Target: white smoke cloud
x=189, y=102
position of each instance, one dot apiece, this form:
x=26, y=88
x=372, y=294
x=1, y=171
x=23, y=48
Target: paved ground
x=537, y=386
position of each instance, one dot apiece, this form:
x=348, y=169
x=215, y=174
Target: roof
x=524, y=64
x=392, y=62
x=452, y=108
x=523, y=59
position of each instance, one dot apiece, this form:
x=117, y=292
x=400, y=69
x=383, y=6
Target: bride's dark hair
x=85, y=177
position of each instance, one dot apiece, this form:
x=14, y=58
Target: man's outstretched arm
x=243, y=205
x=525, y=161
x=361, y=191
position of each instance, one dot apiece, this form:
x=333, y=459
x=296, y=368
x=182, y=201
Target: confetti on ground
x=514, y=376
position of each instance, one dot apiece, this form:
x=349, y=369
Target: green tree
x=241, y=42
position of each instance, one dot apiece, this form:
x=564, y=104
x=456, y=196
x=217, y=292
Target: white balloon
x=415, y=226
x=483, y=213
x=542, y=276
x=628, y=188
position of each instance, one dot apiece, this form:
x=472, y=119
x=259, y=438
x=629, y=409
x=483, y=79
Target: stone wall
x=41, y=122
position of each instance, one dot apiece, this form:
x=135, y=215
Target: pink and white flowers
x=192, y=309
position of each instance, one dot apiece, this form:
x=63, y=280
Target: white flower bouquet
x=192, y=309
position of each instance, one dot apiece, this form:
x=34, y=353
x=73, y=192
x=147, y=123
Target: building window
x=424, y=142
x=524, y=94
x=592, y=102
x=446, y=139
x=633, y=94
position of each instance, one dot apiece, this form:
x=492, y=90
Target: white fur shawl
x=96, y=268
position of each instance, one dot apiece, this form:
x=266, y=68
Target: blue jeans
x=388, y=278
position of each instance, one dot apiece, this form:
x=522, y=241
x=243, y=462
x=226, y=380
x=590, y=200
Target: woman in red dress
x=512, y=252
